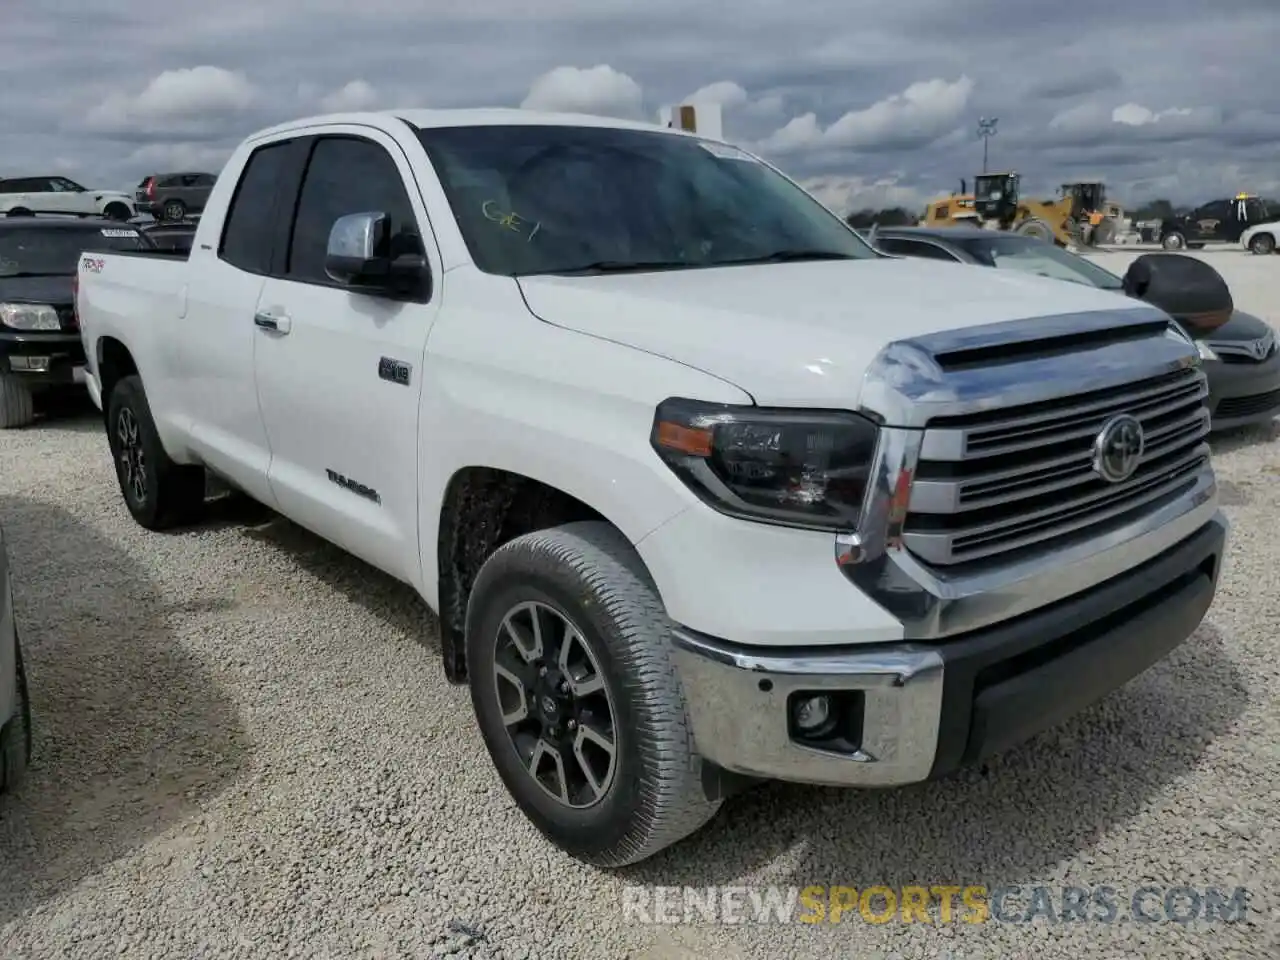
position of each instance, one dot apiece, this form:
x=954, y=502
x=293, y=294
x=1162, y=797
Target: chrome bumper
x=737, y=704
x=921, y=710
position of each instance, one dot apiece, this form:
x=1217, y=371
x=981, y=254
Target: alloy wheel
x=133, y=461
x=555, y=704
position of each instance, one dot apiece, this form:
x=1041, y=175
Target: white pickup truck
x=704, y=490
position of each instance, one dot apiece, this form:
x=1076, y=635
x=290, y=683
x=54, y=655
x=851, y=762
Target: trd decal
x=397, y=371
x=359, y=489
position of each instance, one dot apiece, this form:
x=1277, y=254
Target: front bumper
x=43, y=359
x=918, y=710
x=1241, y=394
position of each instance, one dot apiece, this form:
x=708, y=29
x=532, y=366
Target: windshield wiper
x=791, y=256
x=622, y=266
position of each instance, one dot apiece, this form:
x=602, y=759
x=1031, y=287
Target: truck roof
x=471, y=117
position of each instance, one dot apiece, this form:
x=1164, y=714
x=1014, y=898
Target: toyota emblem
x=1118, y=448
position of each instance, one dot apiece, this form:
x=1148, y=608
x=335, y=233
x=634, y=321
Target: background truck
x=703, y=489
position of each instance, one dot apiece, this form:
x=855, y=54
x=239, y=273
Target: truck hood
x=799, y=334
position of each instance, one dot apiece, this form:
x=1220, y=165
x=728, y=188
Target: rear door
x=212, y=358
x=200, y=191
x=343, y=428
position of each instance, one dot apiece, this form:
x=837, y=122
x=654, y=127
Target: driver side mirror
x=359, y=254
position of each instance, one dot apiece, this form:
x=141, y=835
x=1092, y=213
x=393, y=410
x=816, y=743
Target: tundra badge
x=397, y=371
x=355, y=486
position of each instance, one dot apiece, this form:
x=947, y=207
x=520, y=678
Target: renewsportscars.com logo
x=934, y=904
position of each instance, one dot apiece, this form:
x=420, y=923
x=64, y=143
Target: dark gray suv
x=173, y=196
x=15, y=710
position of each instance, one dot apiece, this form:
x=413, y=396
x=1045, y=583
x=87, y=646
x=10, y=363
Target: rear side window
x=204, y=180
x=347, y=175
x=248, y=233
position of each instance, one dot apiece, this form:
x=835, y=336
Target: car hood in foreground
x=800, y=333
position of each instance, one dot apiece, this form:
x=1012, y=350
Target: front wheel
x=1262, y=244
x=17, y=407
x=578, y=701
x=158, y=492
x=1035, y=227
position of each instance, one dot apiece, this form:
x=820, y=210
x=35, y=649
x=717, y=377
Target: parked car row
x=162, y=196
x=1240, y=357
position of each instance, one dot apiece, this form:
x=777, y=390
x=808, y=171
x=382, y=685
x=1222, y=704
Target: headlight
x=1205, y=351
x=800, y=468
x=29, y=316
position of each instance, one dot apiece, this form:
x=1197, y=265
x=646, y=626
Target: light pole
x=986, y=130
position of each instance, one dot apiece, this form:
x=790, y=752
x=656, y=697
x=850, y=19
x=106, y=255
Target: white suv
x=23, y=195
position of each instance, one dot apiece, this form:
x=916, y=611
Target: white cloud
x=175, y=99
x=162, y=157
x=356, y=95
x=1093, y=121
x=726, y=93
x=599, y=90
x=919, y=114
x=844, y=195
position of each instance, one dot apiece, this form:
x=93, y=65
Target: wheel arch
x=114, y=362
x=482, y=509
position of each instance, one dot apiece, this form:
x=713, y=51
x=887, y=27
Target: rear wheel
x=174, y=210
x=17, y=408
x=1173, y=240
x=1104, y=233
x=15, y=736
x=578, y=701
x=158, y=492
x=1262, y=244
x=117, y=211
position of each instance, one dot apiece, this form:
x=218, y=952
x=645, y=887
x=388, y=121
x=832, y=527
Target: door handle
x=276, y=324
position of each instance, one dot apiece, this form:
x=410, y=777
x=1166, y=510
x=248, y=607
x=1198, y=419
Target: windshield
x=533, y=199
x=1036, y=256
x=45, y=252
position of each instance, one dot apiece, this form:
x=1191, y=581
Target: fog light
x=812, y=713
x=34, y=364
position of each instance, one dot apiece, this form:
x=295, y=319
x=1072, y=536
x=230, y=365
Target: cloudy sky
x=870, y=103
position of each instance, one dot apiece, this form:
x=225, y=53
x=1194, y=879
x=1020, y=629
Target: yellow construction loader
x=1097, y=219
x=995, y=204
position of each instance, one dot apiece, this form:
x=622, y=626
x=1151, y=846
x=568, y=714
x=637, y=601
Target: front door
x=339, y=372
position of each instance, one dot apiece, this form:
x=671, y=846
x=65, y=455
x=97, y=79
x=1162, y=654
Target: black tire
x=590, y=574
x=173, y=210
x=1037, y=228
x=163, y=494
x=1104, y=233
x=15, y=737
x=1173, y=240
x=1262, y=244
x=117, y=211
x=17, y=408
x=18, y=212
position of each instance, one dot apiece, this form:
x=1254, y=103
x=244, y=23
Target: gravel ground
x=246, y=748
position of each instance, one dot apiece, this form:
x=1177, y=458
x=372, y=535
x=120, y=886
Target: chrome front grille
x=992, y=483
